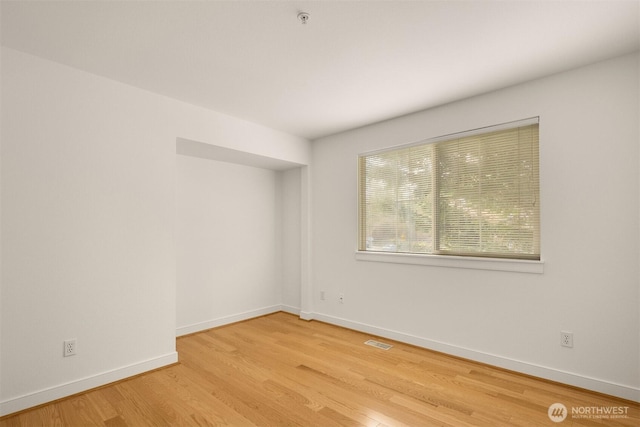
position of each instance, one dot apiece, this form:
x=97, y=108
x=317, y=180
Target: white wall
x=226, y=242
x=88, y=213
x=589, y=141
x=237, y=242
x=291, y=200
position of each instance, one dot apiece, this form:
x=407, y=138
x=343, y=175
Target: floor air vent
x=378, y=344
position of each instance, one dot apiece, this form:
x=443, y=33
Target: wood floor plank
x=278, y=370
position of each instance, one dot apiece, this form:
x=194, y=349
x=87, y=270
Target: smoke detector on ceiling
x=303, y=17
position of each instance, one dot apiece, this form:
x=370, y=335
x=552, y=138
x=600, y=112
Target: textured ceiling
x=353, y=63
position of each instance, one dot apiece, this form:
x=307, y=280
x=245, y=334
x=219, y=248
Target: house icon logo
x=557, y=412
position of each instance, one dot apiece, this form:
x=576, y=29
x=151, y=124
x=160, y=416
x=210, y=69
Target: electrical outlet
x=69, y=348
x=341, y=298
x=566, y=339
x=322, y=295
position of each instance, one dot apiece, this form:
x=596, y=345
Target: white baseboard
x=289, y=309
x=58, y=392
x=306, y=315
x=225, y=320
x=601, y=386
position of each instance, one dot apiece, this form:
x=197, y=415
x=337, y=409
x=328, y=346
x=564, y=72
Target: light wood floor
x=278, y=370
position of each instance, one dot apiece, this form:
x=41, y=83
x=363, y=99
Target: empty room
x=320, y=213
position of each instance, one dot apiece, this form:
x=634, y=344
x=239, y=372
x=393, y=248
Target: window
x=469, y=194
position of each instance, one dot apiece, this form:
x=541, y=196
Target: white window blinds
x=472, y=194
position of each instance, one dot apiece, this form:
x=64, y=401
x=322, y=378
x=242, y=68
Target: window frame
x=446, y=260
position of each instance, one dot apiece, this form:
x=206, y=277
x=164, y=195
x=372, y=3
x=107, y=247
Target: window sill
x=495, y=264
